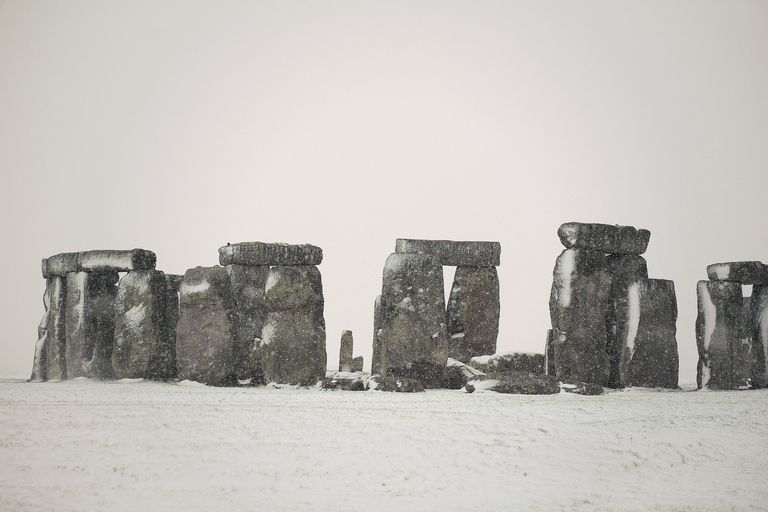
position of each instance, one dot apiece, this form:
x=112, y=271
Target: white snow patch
x=634, y=317
x=457, y=335
x=191, y=383
x=272, y=279
x=135, y=316
x=567, y=266
x=128, y=381
x=267, y=332
x=710, y=314
x=722, y=271
x=481, y=359
x=189, y=289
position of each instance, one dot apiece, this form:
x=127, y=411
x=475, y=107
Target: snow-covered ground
x=85, y=445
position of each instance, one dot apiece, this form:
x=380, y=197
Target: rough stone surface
x=549, y=352
x=248, y=285
x=376, y=357
x=448, y=252
x=604, y=238
x=625, y=271
x=744, y=272
x=260, y=253
x=345, y=352
x=98, y=261
x=39, y=370
x=760, y=336
x=718, y=332
x=412, y=339
x=205, y=332
x=142, y=334
x=357, y=364
x=346, y=381
x=55, y=346
x=473, y=313
x=398, y=385
x=293, y=338
x=505, y=363
x=173, y=283
x=523, y=383
x=578, y=304
x=649, y=356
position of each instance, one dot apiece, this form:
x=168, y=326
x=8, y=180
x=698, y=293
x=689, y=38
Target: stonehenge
x=731, y=329
x=612, y=326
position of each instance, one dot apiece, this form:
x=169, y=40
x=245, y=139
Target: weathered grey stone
x=173, y=284
x=744, y=272
x=549, y=352
x=625, y=270
x=743, y=361
x=578, y=305
x=260, y=253
x=90, y=324
x=293, y=338
x=717, y=332
x=523, y=383
x=760, y=336
x=142, y=335
x=515, y=362
x=248, y=285
x=376, y=358
x=205, y=332
x=98, y=261
x=55, y=346
x=39, y=370
x=649, y=355
x=473, y=313
x=357, y=364
x=345, y=381
x=345, y=352
x=448, y=252
x=412, y=339
x=398, y=384
x=604, y=238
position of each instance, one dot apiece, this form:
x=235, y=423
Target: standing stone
x=357, y=364
x=473, y=313
x=345, y=352
x=293, y=337
x=717, y=332
x=173, y=283
x=142, y=341
x=39, y=372
x=413, y=340
x=248, y=284
x=625, y=270
x=90, y=324
x=578, y=305
x=204, y=335
x=549, y=352
x=55, y=346
x=451, y=253
x=744, y=272
x=760, y=333
x=377, y=358
x=649, y=357
x=743, y=361
x=604, y=238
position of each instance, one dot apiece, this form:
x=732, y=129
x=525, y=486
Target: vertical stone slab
x=79, y=351
x=39, y=372
x=248, y=284
x=100, y=322
x=345, y=351
x=760, y=333
x=742, y=348
x=473, y=313
x=413, y=337
x=578, y=304
x=55, y=348
x=377, y=357
x=549, y=352
x=173, y=283
x=649, y=357
x=625, y=271
x=204, y=335
x=293, y=338
x=717, y=331
x=142, y=342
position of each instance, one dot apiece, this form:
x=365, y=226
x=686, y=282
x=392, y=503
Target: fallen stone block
x=473, y=313
x=604, y=238
x=457, y=254
x=397, y=384
x=523, y=383
x=346, y=381
x=458, y=374
x=98, y=261
x=345, y=352
x=270, y=254
x=744, y=272
x=718, y=331
x=581, y=388
x=525, y=362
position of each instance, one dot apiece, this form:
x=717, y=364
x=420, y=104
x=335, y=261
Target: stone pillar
x=142, y=341
x=173, y=283
x=377, y=357
x=760, y=333
x=473, y=313
x=55, y=346
x=649, y=355
x=578, y=305
x=717, y=331
x=345, y=352
x=549, y=352
x=293, y=338
x=39, y=372
x=205, y=332
x=248, y=284
x=413, y=340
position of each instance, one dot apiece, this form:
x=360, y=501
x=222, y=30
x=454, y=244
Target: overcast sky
x=179, y=126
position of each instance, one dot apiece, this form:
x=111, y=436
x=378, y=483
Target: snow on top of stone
x=189, y=289
x=481, y=359
x=722, y=271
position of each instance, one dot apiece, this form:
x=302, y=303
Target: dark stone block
x=759, y=322
x=98, y=261
x=518, y=362
x=744, y=272
x=398, y=385
x=523, y=383
x=473, y=313
x=357, y=364
x=249, y=315
x=260, y=253
x=56, y=343
x=456, y=254
x=604, y=238
x=718, y=329
x=345, y=352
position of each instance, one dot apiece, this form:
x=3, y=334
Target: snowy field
x=85, y=445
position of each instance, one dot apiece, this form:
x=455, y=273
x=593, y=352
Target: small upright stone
x=357, y=364
x=260, y=253
x=345, y=352
x=717, y=331
x=456, y=254
x=604, y=238
x=744, y=272
x=473, y=313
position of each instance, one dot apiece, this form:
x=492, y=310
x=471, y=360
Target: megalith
x=473, y=313
x=39, y=370
x=172, y=284
x=377, y=357
x=604, y=238
x=760, y=333
x=718, y=333
x=55, y=361
x=248, y=285
x=345, y=351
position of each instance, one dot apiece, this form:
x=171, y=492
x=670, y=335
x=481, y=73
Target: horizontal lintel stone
x=744, y=272
x=98, y=261
x=603, y=237
x=448, y=252
x=271, y=254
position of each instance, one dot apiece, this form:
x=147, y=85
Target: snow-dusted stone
x=248, y=284
x=457, y=254
x=604, y=238
x=345, y=352
x=412, y=339
x=90, y=324
x=376, y=356
x=515, y=362
x=744, y=272
x=718, y=333
x=293, y=338
x=39, y=372
x=260, y=253
x=625, y=270
x=173, y=283
x=56, y=341
x=524, y=383
x=357, y=364
x=98, y=261
x=549, y=352
x=649, y=356
x=760, y=336
x=346, y=381
x=142, y=334
x=205, y=334
x=397, y=384
x=743, y=356
x=578, y=304
x=473, y=313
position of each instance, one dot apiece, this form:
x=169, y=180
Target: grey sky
x=181, y=126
